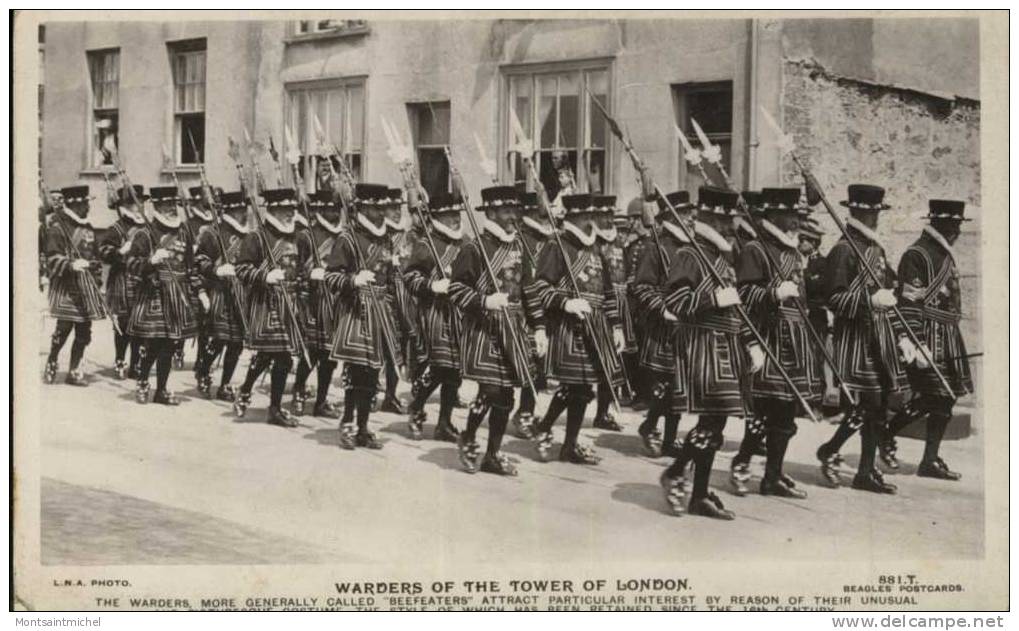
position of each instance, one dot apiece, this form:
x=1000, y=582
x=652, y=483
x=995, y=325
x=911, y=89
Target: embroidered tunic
x=615, y=258
x=224, y=321
x=121, y=285
x=273, y=316
x=317, y=302
x=72, y=296
x=163, y=308
x=440, y=321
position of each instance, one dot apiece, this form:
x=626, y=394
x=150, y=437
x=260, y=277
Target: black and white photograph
x=447, y=311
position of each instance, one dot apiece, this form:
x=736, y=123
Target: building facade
x=893, y=102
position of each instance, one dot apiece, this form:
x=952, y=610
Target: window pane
x=569, y=117
x=712, y=110
x=434, y=170
x=319, y=109
x=354, y=160
x=549, y=169
x=433, y=123
x=598, y=84
x=546, y=110
x=520, y=98
x=355, y=96
x=192, y=127
x=336, y=113
x=595, y=177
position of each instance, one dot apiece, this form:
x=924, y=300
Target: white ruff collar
x=205, y=216
x=499, y=233
x=586, y=239
x=169, y=222
x=609, y=235
x=284, y=228
x=378, y=231
x=934, y=234
x=675, y=231
x=783, y=237
x=133, y=217
x=299, y=219
x=448, y=232
x=712, y=235
x=329, y=227
x=537, y=227
x=864, y=230
x=81, y=221
x=741, y=224
x=243, y=229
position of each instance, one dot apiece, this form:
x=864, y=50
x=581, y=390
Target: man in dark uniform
x=659, y=343
x=718, y=347
x=494, y=341
x=640, y=222
x=317, y=303
x=610, y=242
x=227, y=298
x=575, y=360
x=267, y=265
x=199, y=216
x=121, y=285
x=931, y=301
x=535, y=233
x=768, y=295
x=163, y=314
x=814, y=263
x=867, y=342
x=75, y=273
x=440, y=322
x=403, y=238
x=359, y=271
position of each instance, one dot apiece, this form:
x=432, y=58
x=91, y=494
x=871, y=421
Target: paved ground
x=127, y=484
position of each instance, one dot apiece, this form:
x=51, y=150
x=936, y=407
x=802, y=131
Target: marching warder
x=493, y=326
x=867, y=342
x=121, y=284
x=317, y=303
x=267, y=265
x=574, y=359
x=661, y=339
x=931, y=301
x=440, y=322
x=163, y=314
x=610, y=241
x=403, y=239
x=227, y=298
x=360, y=271
x=75, y=273
x=199, y=216
x=768, y=295
x=641, y=220
x=745, y=232
x=535, y=233
x=814, y=264
x=719, y=347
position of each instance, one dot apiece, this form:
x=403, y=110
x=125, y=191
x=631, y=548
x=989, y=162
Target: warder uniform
x=366, y=333
x=404, y=308
x=575, y=360
x=495, y=349
x=163, y=314
x=866, y=340
x=932, y=305
x=662, y=349
x=227, y=297
x=75, y=273
x=267, y=265
x=440, y=322
x=610, y=243
x=121, y=284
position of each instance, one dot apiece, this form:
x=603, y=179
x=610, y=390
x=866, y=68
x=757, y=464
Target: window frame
x=177, y=50
x=679, y=92
x=93, y=141
x=295, y=34
x=586, y=113
x=414, y=109
x=308, y=161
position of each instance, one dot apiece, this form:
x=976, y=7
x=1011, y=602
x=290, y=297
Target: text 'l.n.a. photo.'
x=469, y=311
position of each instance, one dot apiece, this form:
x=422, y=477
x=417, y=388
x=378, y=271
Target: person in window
x=575, y=359
x=164, y=312
x=75, y=273
x=932, y=304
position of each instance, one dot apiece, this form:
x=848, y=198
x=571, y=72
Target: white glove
x=756, y=357
x=364, y=277
x=440, y=286
x=494, y=302
x=203, y=298
x=618, y=339
x=577, y=306
x=79, y=265
x=159, y=256
x=921, y=357
x=669, y=317
x=907, y=349
x=883, y=299
x=726, y=297
x=225, y=270
x=124, y=249
x=787, y=289
x=317, y=273
x=540, y=342
x=274, y=276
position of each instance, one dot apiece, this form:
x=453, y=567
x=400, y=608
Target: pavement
x=130, y=484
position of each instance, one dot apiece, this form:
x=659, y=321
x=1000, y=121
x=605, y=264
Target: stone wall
x=916, y=145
